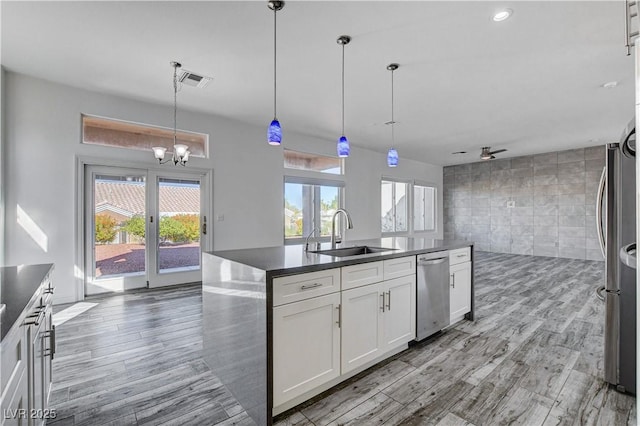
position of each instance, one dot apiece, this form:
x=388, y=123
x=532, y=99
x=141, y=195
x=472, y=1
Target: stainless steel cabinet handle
x=339, y=322
x=310, y=286
x=204, y=225
x=35, y=318
x=599, y=206
x=389, y=300
x=52, y=341
x=453, y=280
x=382, y=307
x=49, y=290
x=461, y=255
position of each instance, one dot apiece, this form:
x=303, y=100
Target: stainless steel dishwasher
x=432, y=310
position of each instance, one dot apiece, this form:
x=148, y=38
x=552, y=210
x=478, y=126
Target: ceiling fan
x=487, y=154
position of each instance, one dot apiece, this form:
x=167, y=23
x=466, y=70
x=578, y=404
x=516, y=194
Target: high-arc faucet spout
x=334, y=240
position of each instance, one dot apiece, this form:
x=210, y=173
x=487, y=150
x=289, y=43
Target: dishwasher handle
x=435, y=261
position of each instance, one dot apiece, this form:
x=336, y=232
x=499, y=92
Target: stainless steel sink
x=353, y=251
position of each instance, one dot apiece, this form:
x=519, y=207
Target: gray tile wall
x=541, y=205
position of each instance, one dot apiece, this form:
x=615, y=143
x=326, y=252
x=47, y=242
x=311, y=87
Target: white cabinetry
x=319, y=339
x=362, y=325
x=400, y=311
x=306, y=333
x=379, y=317
x=26, y=354
x=459, y=283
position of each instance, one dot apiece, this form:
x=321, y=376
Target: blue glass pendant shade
x=343, y=147
x=392, y=158
x=274, y=133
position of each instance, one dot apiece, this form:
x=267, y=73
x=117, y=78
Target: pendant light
x=343, y=142
x=274, y=133
x=180, y=151
x=392, y=155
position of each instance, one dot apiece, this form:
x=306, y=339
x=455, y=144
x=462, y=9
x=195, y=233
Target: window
x=424, y=208
x=394, y=206
x=307, y=204
x=313, y=162
x=123, y=134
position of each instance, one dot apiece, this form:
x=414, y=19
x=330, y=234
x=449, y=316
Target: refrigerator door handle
x=599, y=294
x=599, y=206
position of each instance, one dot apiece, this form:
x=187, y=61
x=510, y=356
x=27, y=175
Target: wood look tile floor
x=533, y=357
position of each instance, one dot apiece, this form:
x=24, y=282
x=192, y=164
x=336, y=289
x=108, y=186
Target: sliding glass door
x=143, y=228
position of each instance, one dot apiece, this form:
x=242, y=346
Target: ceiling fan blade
x=497, y=151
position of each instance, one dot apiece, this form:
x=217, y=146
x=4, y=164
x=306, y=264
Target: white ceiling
x=529, y=84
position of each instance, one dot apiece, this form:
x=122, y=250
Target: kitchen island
x=281, y=324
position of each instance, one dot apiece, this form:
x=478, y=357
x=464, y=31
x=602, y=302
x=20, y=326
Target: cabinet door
x=361, y=326
x=36, y=370
x=306, y=346
x=400, y=311
x=15, y=405
x=47, y=362
x=460, y=290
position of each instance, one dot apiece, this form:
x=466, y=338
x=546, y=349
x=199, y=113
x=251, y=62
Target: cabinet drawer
x=362, y=274
x=293, y=288
x=401, y=267
x=460, y=255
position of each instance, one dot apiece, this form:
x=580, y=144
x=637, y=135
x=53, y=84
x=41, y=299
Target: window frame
x=409, y=201
x=434, y=187
x=410, y=194
x=316, y=218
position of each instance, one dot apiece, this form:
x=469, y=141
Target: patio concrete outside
x=117, y=259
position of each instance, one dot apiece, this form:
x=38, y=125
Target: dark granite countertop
x=18, y=287
x=287, y=260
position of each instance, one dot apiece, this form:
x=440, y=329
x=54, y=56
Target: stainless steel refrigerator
x=616, y=217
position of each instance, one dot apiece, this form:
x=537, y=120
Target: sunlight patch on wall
x=32, y=229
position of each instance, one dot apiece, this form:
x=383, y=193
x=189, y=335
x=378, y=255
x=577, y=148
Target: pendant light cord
x=175, y=103
x=392, y=120
x=275, y=78
x=343, y=89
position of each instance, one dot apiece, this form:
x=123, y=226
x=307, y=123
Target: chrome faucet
x=335, y=240
x=306, y=243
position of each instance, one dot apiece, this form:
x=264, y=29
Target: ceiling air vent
x=192, y=79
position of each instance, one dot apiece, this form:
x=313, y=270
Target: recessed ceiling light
x=610, y=84
x=502, y=15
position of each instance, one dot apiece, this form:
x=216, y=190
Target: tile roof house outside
x=128, y=199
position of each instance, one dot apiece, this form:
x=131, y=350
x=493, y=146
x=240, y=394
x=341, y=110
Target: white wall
x=43, y=133
x=2, y=186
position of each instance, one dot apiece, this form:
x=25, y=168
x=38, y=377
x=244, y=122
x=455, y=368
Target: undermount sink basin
x=352, y=251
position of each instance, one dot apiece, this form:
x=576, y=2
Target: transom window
x=313, y=162
x=124, y=134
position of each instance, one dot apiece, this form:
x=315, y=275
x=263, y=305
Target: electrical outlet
x=220, y=218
